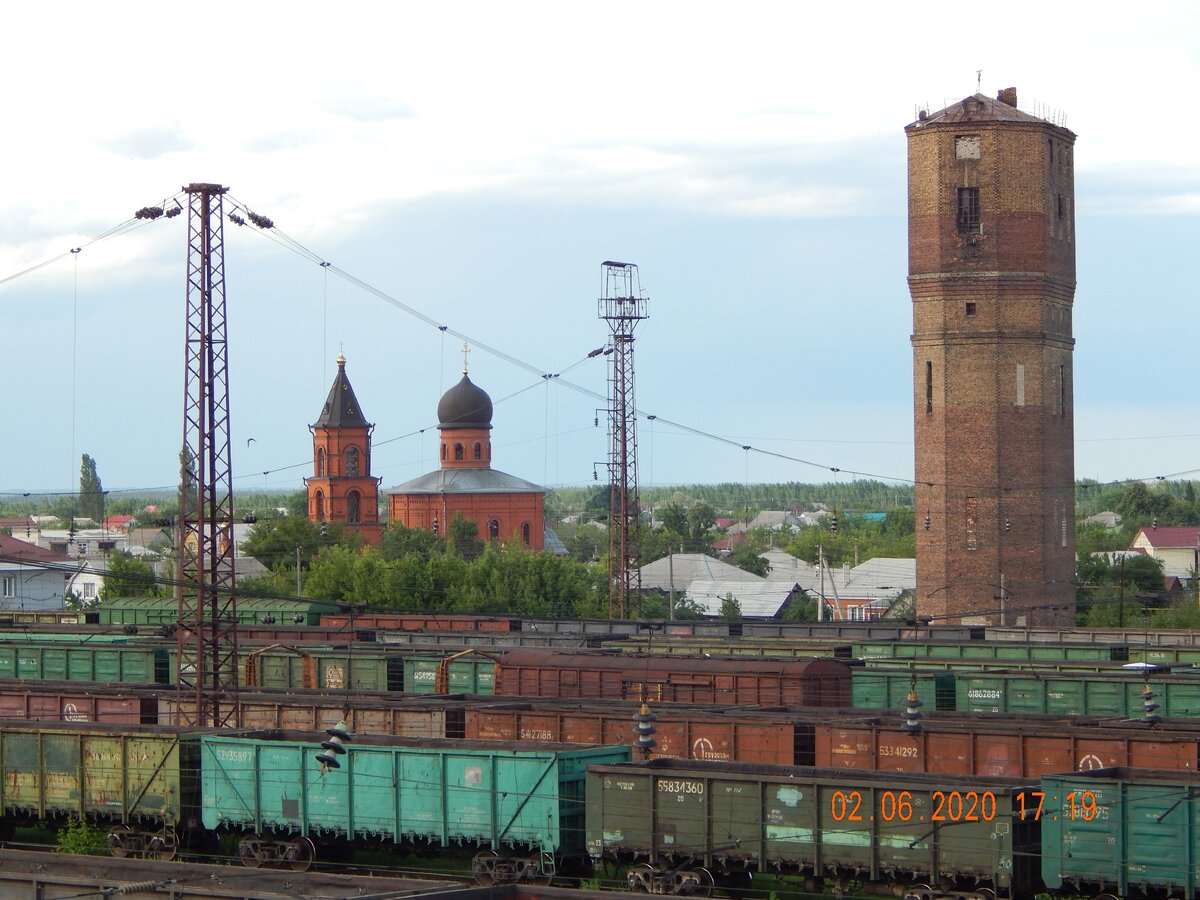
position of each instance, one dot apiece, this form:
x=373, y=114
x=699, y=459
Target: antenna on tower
x=622, y=306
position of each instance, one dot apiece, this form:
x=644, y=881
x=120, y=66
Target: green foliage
x=746, y=555
x=857, y=538
x=91, y=493
x=464, y=535
x=128, y=576
x=273, y=541
x=80, y=837
x=399, y=542
x=731, y=609
x=1115, y=593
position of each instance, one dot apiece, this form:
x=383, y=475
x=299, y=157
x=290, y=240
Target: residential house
x=32, y=577
x=1106, y=519
x=677, y=571
x=1177, y=547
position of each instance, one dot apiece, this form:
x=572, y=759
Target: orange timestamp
x=1076, y=806
x=901, y=806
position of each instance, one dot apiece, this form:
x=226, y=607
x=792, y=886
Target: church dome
x=465, y=406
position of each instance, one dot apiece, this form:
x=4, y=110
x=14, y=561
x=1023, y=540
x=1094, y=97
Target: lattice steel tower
x=207, y=634
x=622, y=307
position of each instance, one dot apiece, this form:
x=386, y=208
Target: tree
x=273, y=541
x=400, y=541
x=731, y=609
x=746, y=556
x=464, y=535
x=91, y=493
x=127, y=576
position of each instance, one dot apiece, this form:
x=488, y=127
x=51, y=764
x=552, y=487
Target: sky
x=475, y=163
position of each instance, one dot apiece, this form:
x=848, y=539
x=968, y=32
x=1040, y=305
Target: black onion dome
x=465, y=406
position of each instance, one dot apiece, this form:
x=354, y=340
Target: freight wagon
x=143, y=663
x=250, y=611
x=684, y=826
x=788, y=682
x=399, y=669
x=519, y=805
x=142, y=782
x=1125, y=831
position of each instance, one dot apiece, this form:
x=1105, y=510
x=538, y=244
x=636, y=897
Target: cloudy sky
x=476, y=162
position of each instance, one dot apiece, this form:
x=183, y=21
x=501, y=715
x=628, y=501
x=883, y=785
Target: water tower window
x=968, y=210
x=970, y=308
x=966, y=146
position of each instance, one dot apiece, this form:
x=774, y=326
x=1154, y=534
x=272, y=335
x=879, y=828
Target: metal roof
x=467, y=481
x=688, y=567
x=756, y=601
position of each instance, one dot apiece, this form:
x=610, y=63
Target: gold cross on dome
x=466, y=350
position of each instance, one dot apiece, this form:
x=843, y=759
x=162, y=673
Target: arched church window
x=458, y=451
x=478, y=450
x=493, y=529
x=320, y=462
x=443, y=452
x=320, y=504
x=525, y=533
x=352, y=462
x=352, y=504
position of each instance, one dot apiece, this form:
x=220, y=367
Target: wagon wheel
x=165, y=845
x=248, y=852
x=638, y=878
x=483, y=867
x=921, y=891
x=703, y=884
x=304, y=852
x=1105, y=897
x=116, y=840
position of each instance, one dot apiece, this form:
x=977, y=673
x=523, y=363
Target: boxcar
x=1131, y=832
x=685, y=825
x=786, y=682
x=1029, y=747
x=140, y=780
x=521, y=805
x=63, y=701
x=143, y=663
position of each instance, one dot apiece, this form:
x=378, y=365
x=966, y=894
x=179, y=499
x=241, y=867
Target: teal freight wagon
x=1123, y=832
x=520, y=805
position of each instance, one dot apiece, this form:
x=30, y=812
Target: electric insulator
x=1007, y=525
x=1149, y=706
x=833, y=525
x=338, y=735
x=927, y=523
x=912, y=712
x=643, y=728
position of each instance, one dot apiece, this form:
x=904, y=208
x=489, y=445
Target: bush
x=77, y=836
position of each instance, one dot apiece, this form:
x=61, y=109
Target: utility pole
x=207, y=636
x=622, y=306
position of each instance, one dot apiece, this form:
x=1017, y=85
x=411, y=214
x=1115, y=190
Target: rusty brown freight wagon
x=600, y=676
x=987, y=745
x=66, y=701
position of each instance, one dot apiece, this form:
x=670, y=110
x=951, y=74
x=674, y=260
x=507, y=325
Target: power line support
x=622, y=306
x=207, y=633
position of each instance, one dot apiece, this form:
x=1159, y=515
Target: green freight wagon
x=465, y=673
x=250, y=611
x=1117, y=693
x=142, y=781
x=684, y=826
x=879, y=688
x=1131, y=832
x=110, y=664
x=520, y=805
x=282, y=666
x=989, y=651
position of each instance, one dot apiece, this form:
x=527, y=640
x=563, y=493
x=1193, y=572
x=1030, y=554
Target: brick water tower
x=991, y=224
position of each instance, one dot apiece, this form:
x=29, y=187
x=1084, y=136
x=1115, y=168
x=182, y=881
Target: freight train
x=529, y=812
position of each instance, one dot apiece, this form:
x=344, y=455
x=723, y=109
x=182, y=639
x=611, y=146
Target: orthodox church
x=502, y=506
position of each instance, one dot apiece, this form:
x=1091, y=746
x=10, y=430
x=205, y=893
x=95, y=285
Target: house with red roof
x=1177, y=547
